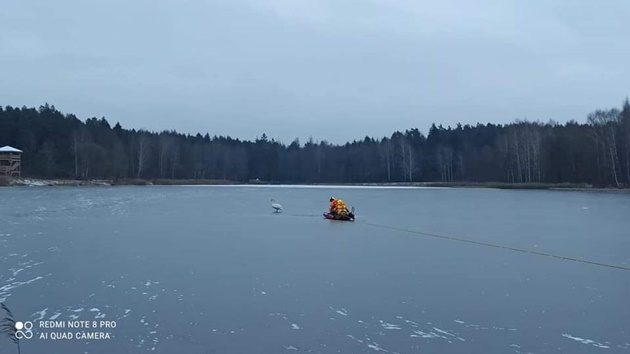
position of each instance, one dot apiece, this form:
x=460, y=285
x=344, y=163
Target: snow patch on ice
x=354, y=338
x=389, y=326
x=4, y=290
x=450, y=334
x=342, y=311
x=374, y=346
x=586, y=341
x=40, y=314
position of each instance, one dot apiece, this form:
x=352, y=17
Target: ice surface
x=225, y=269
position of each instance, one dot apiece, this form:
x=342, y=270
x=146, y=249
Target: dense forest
x=58, y=145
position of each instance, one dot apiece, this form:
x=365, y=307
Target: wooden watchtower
x=10, y=161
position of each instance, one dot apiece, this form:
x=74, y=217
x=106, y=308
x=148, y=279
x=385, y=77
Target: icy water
x=213, y=270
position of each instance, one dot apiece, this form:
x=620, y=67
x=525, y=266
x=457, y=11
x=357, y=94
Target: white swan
x=276, y=206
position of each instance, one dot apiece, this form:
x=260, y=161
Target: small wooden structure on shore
x=10, y=161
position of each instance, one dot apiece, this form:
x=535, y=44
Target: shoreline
x=37, y=182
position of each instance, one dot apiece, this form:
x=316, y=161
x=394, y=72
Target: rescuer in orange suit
x=332, y=207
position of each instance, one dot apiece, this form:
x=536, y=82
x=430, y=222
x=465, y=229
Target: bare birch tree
x=605, y=126
x=142, y=152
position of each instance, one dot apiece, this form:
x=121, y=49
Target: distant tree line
x=597, y=152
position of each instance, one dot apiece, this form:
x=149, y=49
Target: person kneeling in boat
x=338, y=207
x=332, y=207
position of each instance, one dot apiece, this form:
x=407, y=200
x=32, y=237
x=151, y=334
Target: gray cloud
x=333, y=70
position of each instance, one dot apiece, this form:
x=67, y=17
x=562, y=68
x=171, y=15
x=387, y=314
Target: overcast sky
x=331, y=69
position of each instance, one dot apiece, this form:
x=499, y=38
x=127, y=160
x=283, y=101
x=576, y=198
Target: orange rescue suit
x=333, y=206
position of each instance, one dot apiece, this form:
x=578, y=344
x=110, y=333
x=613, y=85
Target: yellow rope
x=487, y=244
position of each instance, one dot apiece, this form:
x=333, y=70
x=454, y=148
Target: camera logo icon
x=23, y=330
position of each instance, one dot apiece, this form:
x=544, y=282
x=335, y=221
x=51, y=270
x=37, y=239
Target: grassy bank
x=7, y=181
x=170, y=182
x=497, y=185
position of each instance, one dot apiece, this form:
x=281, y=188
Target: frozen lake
x=201, y=269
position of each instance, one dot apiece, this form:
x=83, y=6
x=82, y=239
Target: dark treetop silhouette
x=62, y=146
